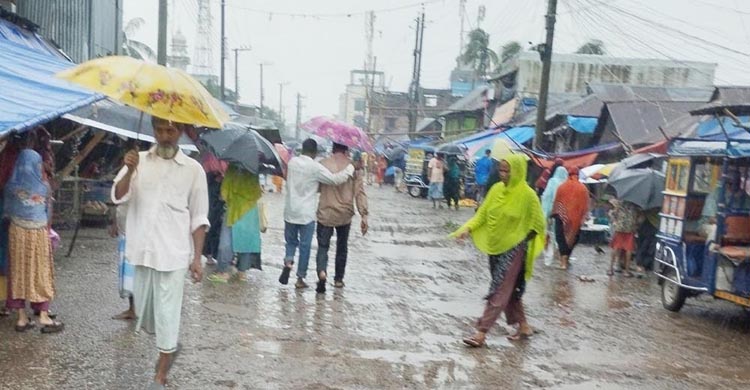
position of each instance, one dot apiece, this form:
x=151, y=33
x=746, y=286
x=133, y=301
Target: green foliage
x=594, y=46
x=509, y=50
x=478, y=53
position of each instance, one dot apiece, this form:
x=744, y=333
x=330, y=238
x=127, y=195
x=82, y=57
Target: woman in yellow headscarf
x=510, y=228
x=240, y=232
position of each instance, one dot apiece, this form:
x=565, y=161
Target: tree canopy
x=594, y=46
x=478, y=54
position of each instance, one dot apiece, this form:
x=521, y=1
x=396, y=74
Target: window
x=390, y=123
x=359, y=105
x=430, y=100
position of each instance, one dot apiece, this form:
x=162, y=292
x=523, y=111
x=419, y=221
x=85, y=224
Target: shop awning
x=31, y=94
x=516, y=136
x=578, y=158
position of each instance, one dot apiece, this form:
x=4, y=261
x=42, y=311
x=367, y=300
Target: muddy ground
x=411, y=295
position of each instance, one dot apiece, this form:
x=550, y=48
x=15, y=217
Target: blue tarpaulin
x=711, y=129
x=515, y=136
x=582, y=124
x=31, y=94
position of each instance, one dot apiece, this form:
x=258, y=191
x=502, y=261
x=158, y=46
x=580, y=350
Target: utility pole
x=223, y=49
x=261, y=89
x=462, y=15
x=236, y=74
x=369, y=90
x=414, y=88
x=281, y=100
x=541, y=111
x=161, y=47
x=298, y=122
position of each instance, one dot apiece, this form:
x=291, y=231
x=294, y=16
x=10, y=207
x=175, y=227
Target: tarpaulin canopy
x=31, y=94
x=578, y=158
x=515, y=137
x=711, y=128
x=582, y=124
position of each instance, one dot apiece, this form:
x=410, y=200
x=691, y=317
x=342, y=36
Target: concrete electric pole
x=161, y=45
x=546, y=55
x=236, y=73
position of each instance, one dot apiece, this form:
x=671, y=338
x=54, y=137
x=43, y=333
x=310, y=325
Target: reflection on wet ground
x=411, y=295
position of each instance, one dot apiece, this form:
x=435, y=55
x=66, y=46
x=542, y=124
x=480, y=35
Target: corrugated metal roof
x=475, y=100
x=638, y=122
x=736, y=99
x=626, y=93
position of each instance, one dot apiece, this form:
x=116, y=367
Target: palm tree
x=509, y=50
x=594, y=46
x=133, y=48
x=478, y=54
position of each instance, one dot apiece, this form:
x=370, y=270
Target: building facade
x=572, y=73
x=83, y=29
x=353, y=102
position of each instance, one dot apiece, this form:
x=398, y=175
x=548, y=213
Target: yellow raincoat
x=507, y=216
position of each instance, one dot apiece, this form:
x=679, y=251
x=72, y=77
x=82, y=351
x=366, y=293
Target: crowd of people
x=214, y=210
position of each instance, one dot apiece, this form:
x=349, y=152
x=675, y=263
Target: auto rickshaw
x=703, y=243
x=416, y=176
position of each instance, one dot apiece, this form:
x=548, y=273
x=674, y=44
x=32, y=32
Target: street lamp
x=236, y=73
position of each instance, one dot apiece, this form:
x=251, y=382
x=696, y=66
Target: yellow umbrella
x=607, y=169
x=502, y=148
x=167, y=93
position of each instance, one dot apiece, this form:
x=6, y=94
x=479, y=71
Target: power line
x=271, y=13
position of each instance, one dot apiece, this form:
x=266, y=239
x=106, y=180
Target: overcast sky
x=314, y=54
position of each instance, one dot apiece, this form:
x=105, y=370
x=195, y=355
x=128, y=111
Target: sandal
x=472, y=341
x=284, y=278
x=520, y=336
x=51, y=315
x=627, y=274
x=54, y=327
x=216, y=278
x=321, y=287
x=27, y=326
x=610, y=273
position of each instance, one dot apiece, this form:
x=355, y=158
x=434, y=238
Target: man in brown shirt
x=335, y=212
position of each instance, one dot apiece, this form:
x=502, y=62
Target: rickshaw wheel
x=672, y=296
x=415, y=191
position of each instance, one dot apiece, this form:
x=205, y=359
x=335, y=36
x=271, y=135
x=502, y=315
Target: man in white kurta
x=167, y=198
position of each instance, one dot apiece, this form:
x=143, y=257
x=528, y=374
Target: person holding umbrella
x=167, y=197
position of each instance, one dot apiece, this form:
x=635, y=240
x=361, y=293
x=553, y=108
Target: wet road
x=410, y=296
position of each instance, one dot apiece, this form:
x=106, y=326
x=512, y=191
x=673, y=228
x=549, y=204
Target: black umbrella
x=244, y=147
x=640, y=186
x=451, y=149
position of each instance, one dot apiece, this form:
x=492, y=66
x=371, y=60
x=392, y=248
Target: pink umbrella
x=338, y=132
x=283, y=152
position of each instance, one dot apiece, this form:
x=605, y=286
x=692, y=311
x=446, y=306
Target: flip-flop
x=29, y=325
x=519, y=337
x=54, y=327
x=472, y=342
x=156, y=386
x=628, y=274
x=215, y=278
x=610, y=273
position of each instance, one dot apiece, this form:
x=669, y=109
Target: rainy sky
x=311, y=46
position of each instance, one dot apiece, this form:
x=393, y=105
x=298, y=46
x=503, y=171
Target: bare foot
x=524, y=333
x=125, y=316
x=475, y=341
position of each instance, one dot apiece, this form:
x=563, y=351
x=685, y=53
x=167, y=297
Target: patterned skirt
x=501, y=271
x=31, y=267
